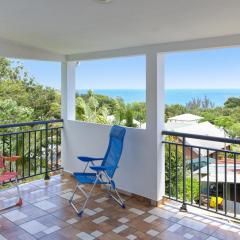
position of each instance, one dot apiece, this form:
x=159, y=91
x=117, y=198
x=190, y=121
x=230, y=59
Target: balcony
x=46, y=214
x=155, y=169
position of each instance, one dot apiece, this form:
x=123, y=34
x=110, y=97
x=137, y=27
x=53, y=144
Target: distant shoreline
x=173, y=96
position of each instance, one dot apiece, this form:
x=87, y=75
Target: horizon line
x=165, y=88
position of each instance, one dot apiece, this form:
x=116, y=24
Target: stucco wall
x=136, y=171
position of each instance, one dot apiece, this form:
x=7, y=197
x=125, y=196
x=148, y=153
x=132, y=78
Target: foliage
x=22, y=100
x=10, y=111
x=197, y=103
x=174, y=173
x=16, y=85
x=97, y=108
x=174, y=110
x=234, y=130
x=173, y=165
x=232, y=102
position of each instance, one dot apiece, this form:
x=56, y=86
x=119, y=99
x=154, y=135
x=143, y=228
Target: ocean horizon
x=172, y=96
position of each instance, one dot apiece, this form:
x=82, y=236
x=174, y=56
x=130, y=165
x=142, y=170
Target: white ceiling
x=76, y=26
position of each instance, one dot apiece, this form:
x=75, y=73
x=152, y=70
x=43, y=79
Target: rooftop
x=206, y=129
x=187, y=117
x=46, y=214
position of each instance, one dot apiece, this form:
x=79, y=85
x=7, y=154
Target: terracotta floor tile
x=47, y=208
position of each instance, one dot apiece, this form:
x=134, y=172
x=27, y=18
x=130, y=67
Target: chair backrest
x=2, y=165
x=114, y=150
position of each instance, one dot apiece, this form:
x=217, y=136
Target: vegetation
x=102, y=109
x=227, y=116
x=23, y=100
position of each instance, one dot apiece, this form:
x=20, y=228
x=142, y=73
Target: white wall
x=142, y=167
x=136, y=173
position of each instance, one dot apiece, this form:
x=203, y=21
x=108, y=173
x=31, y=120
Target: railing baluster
x=10, y=150
x=3, y=140
x=29, y=154
x=199, y=177
x=169, y=169
x=35, y=152
x=16, y=152
x=191, y=153
x=23, y=157
x=46, y=162
x=176, y=172
x=217, y=181
x=56, y=149
x=208, y=179
x=235, y=185
x=51, y=149
x=225, y=183
x=41, y=159
x=184, y=206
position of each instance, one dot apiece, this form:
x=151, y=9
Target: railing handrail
x=33, y=123
x=201, y=137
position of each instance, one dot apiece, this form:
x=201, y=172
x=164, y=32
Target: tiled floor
x=46, y=214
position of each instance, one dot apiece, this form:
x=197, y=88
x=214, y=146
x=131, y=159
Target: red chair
x=7, y=176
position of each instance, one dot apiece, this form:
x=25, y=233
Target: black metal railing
x=38, y=145
x=203, y=172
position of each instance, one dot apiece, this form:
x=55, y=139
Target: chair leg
x=71, y=199
x=117, y=198
x=80, y=211
x=19, y=202
x=120, y=200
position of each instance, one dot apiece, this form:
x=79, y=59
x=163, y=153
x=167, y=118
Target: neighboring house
x=180, y=121
x=221, y=181
x=185, y=118
x=192, y=126
x=202, y=161
x=111, y=119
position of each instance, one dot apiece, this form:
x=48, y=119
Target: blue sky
x=195, y=70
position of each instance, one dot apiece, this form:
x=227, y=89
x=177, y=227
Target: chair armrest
x=102, y=168
x=88, y=159
x=11, y=159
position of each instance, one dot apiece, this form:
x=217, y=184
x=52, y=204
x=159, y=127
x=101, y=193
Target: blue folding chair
x=102, y=174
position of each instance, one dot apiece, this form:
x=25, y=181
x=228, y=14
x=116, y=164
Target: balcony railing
x=38, y=144
x=203, y=172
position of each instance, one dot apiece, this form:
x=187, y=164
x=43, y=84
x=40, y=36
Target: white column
x=155, y=119
x=68, y=90
x=67, y=103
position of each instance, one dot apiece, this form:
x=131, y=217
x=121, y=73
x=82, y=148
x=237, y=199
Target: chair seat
x=87, y=178
x=7, y=176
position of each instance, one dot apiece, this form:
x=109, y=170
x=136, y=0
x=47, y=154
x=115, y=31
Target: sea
x=172, y=96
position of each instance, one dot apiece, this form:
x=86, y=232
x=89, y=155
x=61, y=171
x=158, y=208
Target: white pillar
x=68, y=90
x=67, y=102
x=155, y=119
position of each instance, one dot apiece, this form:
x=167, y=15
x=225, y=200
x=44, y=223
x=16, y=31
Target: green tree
x=129, y=118
x=232, y=102
x=10, y=111
x=80, y=109
x=174, y=110
x=234, y=130
x=139, y=111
